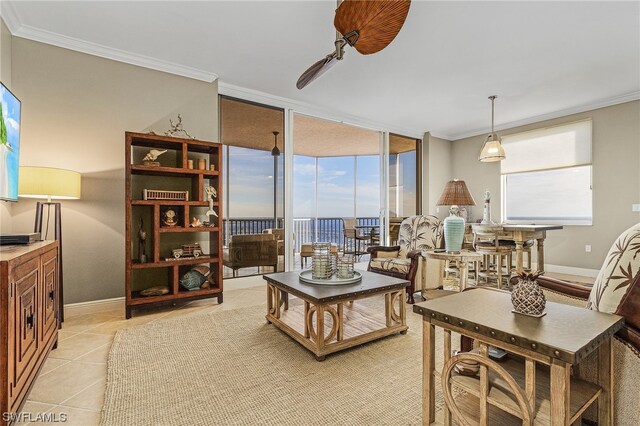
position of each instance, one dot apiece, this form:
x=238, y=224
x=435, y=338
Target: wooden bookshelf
x=172, y=174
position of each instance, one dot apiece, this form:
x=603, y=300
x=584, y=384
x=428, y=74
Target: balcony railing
x=305, y=230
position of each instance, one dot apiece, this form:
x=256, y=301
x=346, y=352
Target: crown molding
x=301, y=107
x=11, y=18
x=603, y=103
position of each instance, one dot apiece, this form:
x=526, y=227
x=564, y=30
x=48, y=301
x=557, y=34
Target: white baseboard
x=570, y=270
x=93, y=306
x=103, y=305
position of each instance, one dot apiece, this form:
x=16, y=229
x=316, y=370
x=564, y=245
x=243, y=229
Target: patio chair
x=251, y=250
x=405, y=260
x=354, y=242
x=616, y=290
x=279, y=233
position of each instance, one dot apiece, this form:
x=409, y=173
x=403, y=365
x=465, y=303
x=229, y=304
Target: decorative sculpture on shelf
x=486, y=215
x=211, y=194
x=196, y=223
x=177, y=128
x=142, y=237
x=170, y=218
x=152, y=156
x=196, y=278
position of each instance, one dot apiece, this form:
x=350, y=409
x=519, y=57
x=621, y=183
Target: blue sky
x=9, y=171
x=251, y=185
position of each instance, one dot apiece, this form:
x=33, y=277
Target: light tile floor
x=72, y=381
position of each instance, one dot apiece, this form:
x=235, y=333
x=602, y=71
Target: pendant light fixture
x=275, y=151
x=492, y=149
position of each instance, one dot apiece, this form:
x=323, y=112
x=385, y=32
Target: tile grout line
x=78, y=393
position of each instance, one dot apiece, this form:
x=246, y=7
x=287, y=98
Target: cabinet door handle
x=51, y=295
x=30, y=320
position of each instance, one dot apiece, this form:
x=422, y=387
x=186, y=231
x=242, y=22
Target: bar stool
x=487, y=242
x=527, y=247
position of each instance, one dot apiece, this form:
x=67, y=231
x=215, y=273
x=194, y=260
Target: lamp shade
x=456, y=193
x=492, y=149
x=48, y=182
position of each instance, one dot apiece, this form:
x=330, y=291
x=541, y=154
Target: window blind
x=555, y=147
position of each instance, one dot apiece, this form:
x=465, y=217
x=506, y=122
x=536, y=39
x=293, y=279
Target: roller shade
x=549, y=148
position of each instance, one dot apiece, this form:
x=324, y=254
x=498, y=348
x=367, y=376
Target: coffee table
x=328, y=321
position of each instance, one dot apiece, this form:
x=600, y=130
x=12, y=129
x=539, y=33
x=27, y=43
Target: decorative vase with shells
x=527, y=297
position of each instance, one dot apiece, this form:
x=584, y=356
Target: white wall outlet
x=635, y=207
x=437, y=209
x=587, y=248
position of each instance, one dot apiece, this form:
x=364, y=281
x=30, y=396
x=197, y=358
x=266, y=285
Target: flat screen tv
x=9, y=144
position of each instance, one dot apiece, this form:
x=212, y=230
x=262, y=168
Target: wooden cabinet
x=29, y=309
x=161, y=201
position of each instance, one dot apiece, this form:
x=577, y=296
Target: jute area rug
x=232, y=368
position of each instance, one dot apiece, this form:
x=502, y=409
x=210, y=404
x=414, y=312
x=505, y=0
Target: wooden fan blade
x=378, y=22
x=316, y=70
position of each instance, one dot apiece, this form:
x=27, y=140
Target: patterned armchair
x=616, y=290
x=405, y=260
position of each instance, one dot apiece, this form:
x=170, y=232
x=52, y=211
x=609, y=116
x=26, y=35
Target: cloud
x=12, y=123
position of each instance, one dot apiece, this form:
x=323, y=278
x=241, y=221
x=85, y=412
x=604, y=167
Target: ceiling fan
x=368, y=26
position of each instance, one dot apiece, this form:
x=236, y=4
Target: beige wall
x=6, y=207
x=616, y=183
x=437, y=173
x=76, y=108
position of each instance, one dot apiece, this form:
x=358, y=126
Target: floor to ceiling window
x=253, y=196
x=336, y=176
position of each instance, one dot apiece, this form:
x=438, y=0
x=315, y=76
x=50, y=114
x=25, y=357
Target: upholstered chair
x=417, y=233
x=617, y=291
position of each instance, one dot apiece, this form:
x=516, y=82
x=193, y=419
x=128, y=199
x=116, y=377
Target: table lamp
x=455, y=194
x=49, y=183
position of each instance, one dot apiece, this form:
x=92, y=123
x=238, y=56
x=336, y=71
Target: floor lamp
x=50, y=183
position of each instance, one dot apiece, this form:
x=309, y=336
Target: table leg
x=446, y=357
x=306, y=323
x=403, y=308
x=463, y=266
x=428, y=366
x=540, y=247
x=340, y=323
x=484, y=387
x=320, y=333
x=519, y=256
x=560, y=392
x=605, y=381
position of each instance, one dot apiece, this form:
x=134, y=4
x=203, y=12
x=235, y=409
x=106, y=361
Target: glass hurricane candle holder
x=321, y=261
x=344, y=268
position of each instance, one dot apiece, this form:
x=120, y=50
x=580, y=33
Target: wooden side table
x=463, y=257
x=534, y=386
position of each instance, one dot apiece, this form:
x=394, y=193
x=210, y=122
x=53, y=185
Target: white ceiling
x=542, y=59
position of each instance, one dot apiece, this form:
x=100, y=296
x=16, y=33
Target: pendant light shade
x=492, y=149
